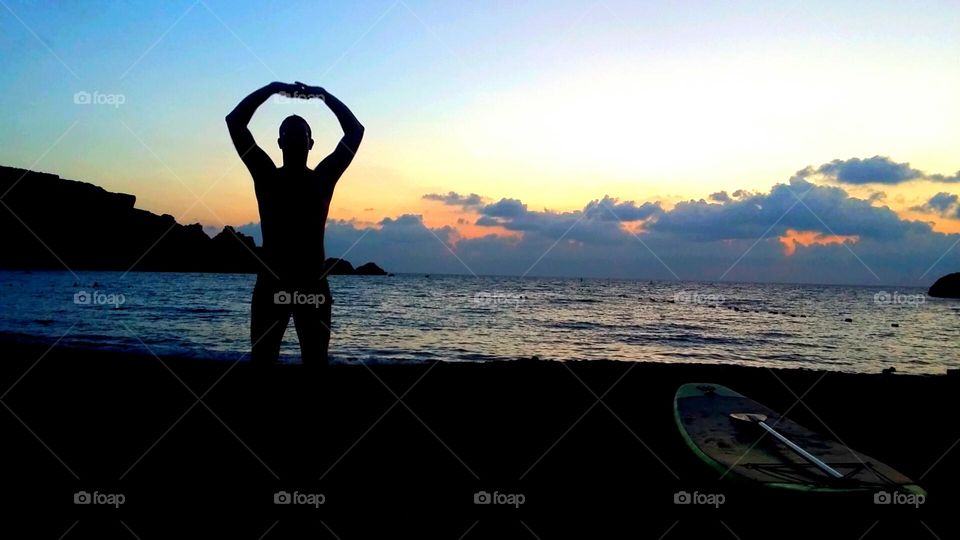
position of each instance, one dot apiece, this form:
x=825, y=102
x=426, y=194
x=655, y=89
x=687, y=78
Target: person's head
x=295, y=135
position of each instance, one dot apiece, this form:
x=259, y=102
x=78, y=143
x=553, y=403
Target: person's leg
x=268, y=322
x=313, y=328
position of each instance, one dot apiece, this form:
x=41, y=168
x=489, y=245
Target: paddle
x=760, y=420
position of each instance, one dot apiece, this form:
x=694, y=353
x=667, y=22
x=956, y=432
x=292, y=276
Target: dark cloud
x=487, y=221
x=455, y=199
x=943, y=204
x=945, y=179
x=401, y=244
x=594, y=224
x=406, y=220
x=875, y=170
x=942, y=201
x=720, y=196
x=505, y=208
x=611, y=209
x=599, y=221
x=799, y=205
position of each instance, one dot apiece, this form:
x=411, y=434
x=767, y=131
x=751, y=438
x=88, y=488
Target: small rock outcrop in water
x=81, y=226
x=370, y=269
x=337, y=267
x=946, y=287
x=341, y=267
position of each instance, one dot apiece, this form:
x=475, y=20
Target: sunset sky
x=784, y=141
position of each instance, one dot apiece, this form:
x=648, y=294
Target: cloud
x=505, y=208
x=796, y=231
x=594, y=224
x=611, y=209
x=945, y=179
x=942, y=201
x=401, y=244
x=487, y=221
x=874, y=170
x=455, y=199
x=943, y=204
x=720, y=196
x=799, y=205
x=830, y=237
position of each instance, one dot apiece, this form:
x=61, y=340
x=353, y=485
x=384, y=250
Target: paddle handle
x=803, y=453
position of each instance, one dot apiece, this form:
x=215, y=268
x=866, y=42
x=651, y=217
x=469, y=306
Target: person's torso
x=293, y=214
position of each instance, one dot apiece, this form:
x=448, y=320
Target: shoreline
x=19, y=341
x=29, y=341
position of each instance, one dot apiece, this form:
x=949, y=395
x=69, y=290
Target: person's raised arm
x=252, y=155
x=333, y=165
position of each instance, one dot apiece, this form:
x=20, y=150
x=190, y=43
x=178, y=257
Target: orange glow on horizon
x=436, y=215
x=940, y=224
x=793, y=238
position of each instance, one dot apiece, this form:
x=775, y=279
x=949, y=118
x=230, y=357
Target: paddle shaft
x=803, y=453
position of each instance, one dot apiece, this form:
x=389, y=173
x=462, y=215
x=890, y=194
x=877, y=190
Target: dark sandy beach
x=124, y=424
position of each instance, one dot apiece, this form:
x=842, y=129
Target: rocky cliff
x=48, y=222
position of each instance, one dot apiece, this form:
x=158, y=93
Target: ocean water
x=406, y=318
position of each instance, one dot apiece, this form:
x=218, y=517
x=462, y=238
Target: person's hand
x=309, y=92
x=286, y=89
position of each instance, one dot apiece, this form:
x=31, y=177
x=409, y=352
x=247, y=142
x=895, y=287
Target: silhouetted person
x=293, y=202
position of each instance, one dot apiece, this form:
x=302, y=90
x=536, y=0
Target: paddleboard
x=702, y=412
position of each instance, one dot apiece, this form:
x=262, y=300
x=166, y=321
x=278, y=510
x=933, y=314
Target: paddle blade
x=747, y=418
